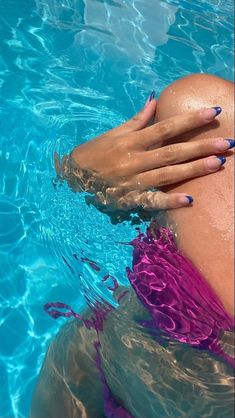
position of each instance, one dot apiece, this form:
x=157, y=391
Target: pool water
x=68, y=72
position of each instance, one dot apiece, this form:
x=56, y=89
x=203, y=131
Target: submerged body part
x=180, y=311
x=167, y=350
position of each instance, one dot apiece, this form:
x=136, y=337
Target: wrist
x=69, y=170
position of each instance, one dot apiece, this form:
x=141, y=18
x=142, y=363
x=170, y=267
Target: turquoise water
x=69, y=71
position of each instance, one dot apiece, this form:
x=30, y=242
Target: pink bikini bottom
x=181, y=304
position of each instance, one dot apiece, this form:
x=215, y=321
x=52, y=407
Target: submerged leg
x=68, y=384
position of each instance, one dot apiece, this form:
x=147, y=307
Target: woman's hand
x=124, y=167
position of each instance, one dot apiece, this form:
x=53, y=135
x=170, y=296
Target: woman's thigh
x=68, y=385
x=205, y=231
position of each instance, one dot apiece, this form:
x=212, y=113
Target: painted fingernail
x=186, y=200
x=217, y=109
x=150, y=98
x=231, y=143
x=189, y=198
x=214, y=163
x=210, y=114
x=224, y=144
x=222, y=160
x=152, y=95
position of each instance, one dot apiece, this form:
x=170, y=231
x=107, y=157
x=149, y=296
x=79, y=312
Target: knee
x=194, y=92
x=197, y=91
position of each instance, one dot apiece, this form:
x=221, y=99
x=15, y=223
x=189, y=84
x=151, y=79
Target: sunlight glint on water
x=68, y=72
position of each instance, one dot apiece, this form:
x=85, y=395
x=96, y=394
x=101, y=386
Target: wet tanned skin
x=205, y=234
x=205, y=231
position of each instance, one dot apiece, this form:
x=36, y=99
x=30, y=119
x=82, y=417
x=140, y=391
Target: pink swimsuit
x=181, y=304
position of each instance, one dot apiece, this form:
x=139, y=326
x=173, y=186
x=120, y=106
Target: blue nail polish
x=190, y=199
x=222, y=159
x=218, y=110
x=152, y=95
x=231, y=143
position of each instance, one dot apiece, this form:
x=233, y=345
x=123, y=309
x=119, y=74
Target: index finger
x=176, y=125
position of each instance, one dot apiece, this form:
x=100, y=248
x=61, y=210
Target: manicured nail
x=152, y=95
x=224, y=144
x=210, y=114
x=222, y=160
x=149, y=99
x=190, y=199
x=186, y=200
x=231, y=143
x=217, y=109
x=214, y=163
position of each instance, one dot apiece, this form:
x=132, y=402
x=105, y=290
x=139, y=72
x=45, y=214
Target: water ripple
x=68, y=72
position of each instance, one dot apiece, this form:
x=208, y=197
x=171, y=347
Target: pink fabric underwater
x=180, y=301
x=181, y=304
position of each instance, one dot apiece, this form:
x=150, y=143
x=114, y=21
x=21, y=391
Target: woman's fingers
x=140, y=120
x=153, y=200
x=175, y=126
x=176, y=173
x=184, y=151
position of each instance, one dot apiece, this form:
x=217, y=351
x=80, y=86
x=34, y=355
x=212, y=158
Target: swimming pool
x=70, y=71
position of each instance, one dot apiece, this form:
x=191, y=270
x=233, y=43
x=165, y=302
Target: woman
x=123, y=168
